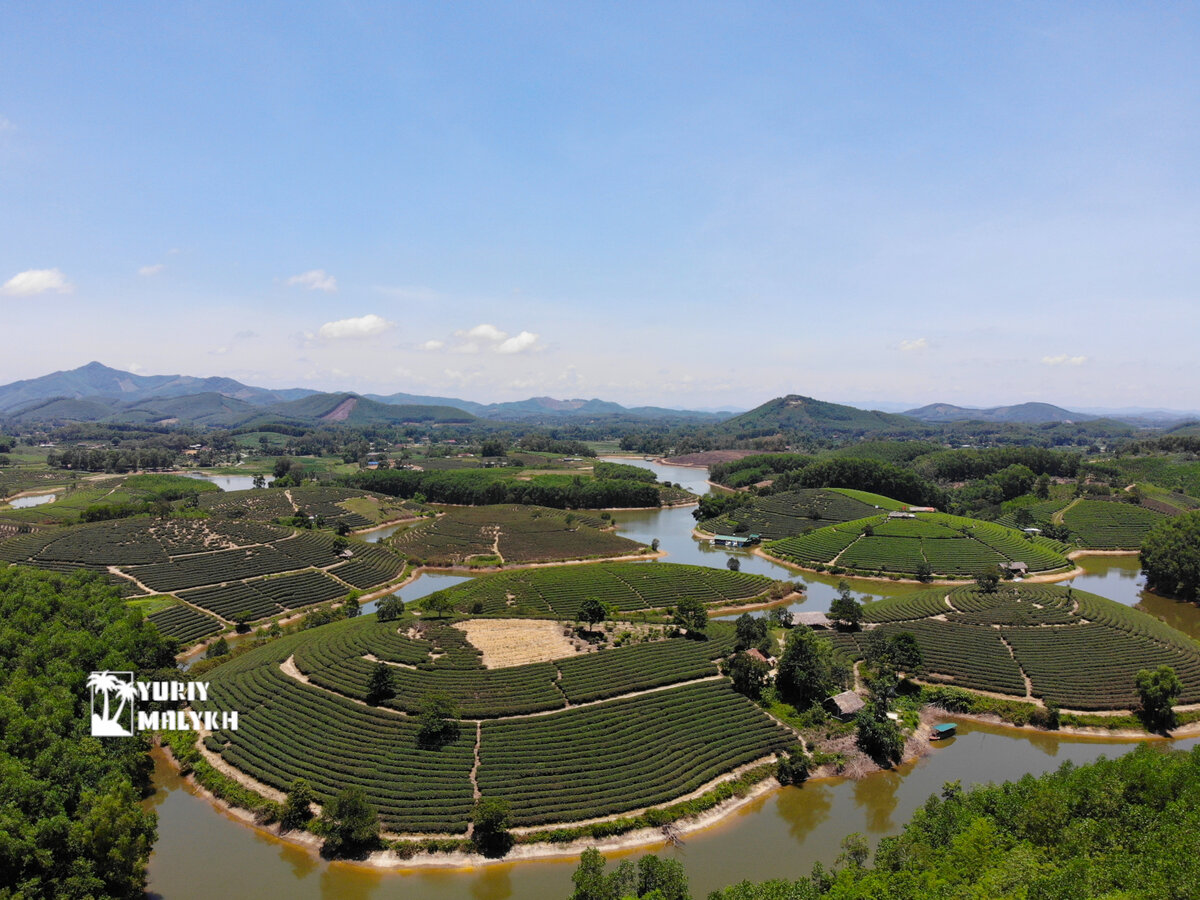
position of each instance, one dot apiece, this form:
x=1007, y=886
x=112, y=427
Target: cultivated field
x=949, y=545
x=516, y=534
x=226, y=567
x=1076, y=649
x=558, y=591
x=795, y=512
x=580, y=759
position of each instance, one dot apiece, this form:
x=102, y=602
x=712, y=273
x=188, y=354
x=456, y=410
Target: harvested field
x=516, y=642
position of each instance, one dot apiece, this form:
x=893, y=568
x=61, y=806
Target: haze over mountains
x=98, y=393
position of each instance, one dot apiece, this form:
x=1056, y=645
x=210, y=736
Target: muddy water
x=31, y=500
x=778, y=836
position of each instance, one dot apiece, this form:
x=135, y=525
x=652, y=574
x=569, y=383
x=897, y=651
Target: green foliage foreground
x=1119, y=828
x=70, y=821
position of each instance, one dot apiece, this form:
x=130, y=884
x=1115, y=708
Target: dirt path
x=1028, y=684
x=1057, y=518
x=475, y=768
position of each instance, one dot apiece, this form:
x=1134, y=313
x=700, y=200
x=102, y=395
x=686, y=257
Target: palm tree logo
x=111, y=722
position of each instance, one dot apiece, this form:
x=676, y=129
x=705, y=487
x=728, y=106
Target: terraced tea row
x=341, y=658
x=184, y=623
x=948, y=545
x=1078, y=650
x=795, y=512
x=559, y=591
x=596, y=760
x=521, y=534
x=226, y=567
x=623, y=754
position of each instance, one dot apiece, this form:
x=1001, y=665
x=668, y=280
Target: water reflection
x=780, y=835
x=229, y=482
x=33, y=500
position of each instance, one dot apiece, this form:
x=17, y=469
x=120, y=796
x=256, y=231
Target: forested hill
x=794, y=413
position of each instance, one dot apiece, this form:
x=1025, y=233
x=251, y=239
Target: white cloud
x=133, y=367
x=913, y=346
x=147, y=271
x=520, y=343
x=6, y=125
x=489, y=337
x=314, y=280
x=433, y=345
x=1064, y=360
x=37, y=281
x=361, y=327
x=484, y=332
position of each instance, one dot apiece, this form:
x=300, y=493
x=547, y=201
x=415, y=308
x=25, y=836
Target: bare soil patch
x=707, y=457
x=518, y=642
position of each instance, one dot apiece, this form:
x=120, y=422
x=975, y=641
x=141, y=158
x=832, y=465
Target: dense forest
x=71, y=821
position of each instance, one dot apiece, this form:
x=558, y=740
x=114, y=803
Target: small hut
x=812, y=619
x=845, y=705
x=1016, y=568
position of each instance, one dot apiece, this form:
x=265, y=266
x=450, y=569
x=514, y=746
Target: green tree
x=350, y=824
x=218, y=648
x=440, y=603
x=380, y=685
x=1158, y=690
x=437, y=718
x=351, y=608
x=749, y=675
x=780, y=617
x=490, y=819
x=1171, y=557
x=989, y=581
x=924, y=571
x=591, y=611
x=807, y=669
x=751, y=632
x=297, y=807
x=389, y=609
x=1042, y=488
x=661, y=879
x=733, y=564
x=590, y=880
x=845, y=611
x=242, y=620
x=878, y=736
x=691, y=614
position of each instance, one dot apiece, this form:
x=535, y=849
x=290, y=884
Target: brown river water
x=201, y=851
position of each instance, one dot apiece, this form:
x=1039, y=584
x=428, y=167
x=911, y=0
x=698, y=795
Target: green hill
x=949, y=545
x=794, y=413
x=795, y=512
x=351, y=409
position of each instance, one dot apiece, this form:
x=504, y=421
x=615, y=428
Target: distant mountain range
x=98, y=393
x=1022, y=413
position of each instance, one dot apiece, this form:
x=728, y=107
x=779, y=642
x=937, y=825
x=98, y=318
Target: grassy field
x=112, y=490
x=598, y=757
x=949, y=545
x=1077, y=649
x=558, y=591
x=519, y=534
x=795, y=512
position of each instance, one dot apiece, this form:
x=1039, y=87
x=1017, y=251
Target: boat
x=943, y=731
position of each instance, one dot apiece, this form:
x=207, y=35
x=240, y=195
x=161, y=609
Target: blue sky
x=687, y=204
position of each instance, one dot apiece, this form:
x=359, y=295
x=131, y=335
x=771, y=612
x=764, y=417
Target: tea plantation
x=576, y=738
x=948, y=545
x=1076, y=649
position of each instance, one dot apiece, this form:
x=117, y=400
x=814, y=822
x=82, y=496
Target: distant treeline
x=83, y=459
x=624, y=472
x=790, y=471
x=481, y=487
